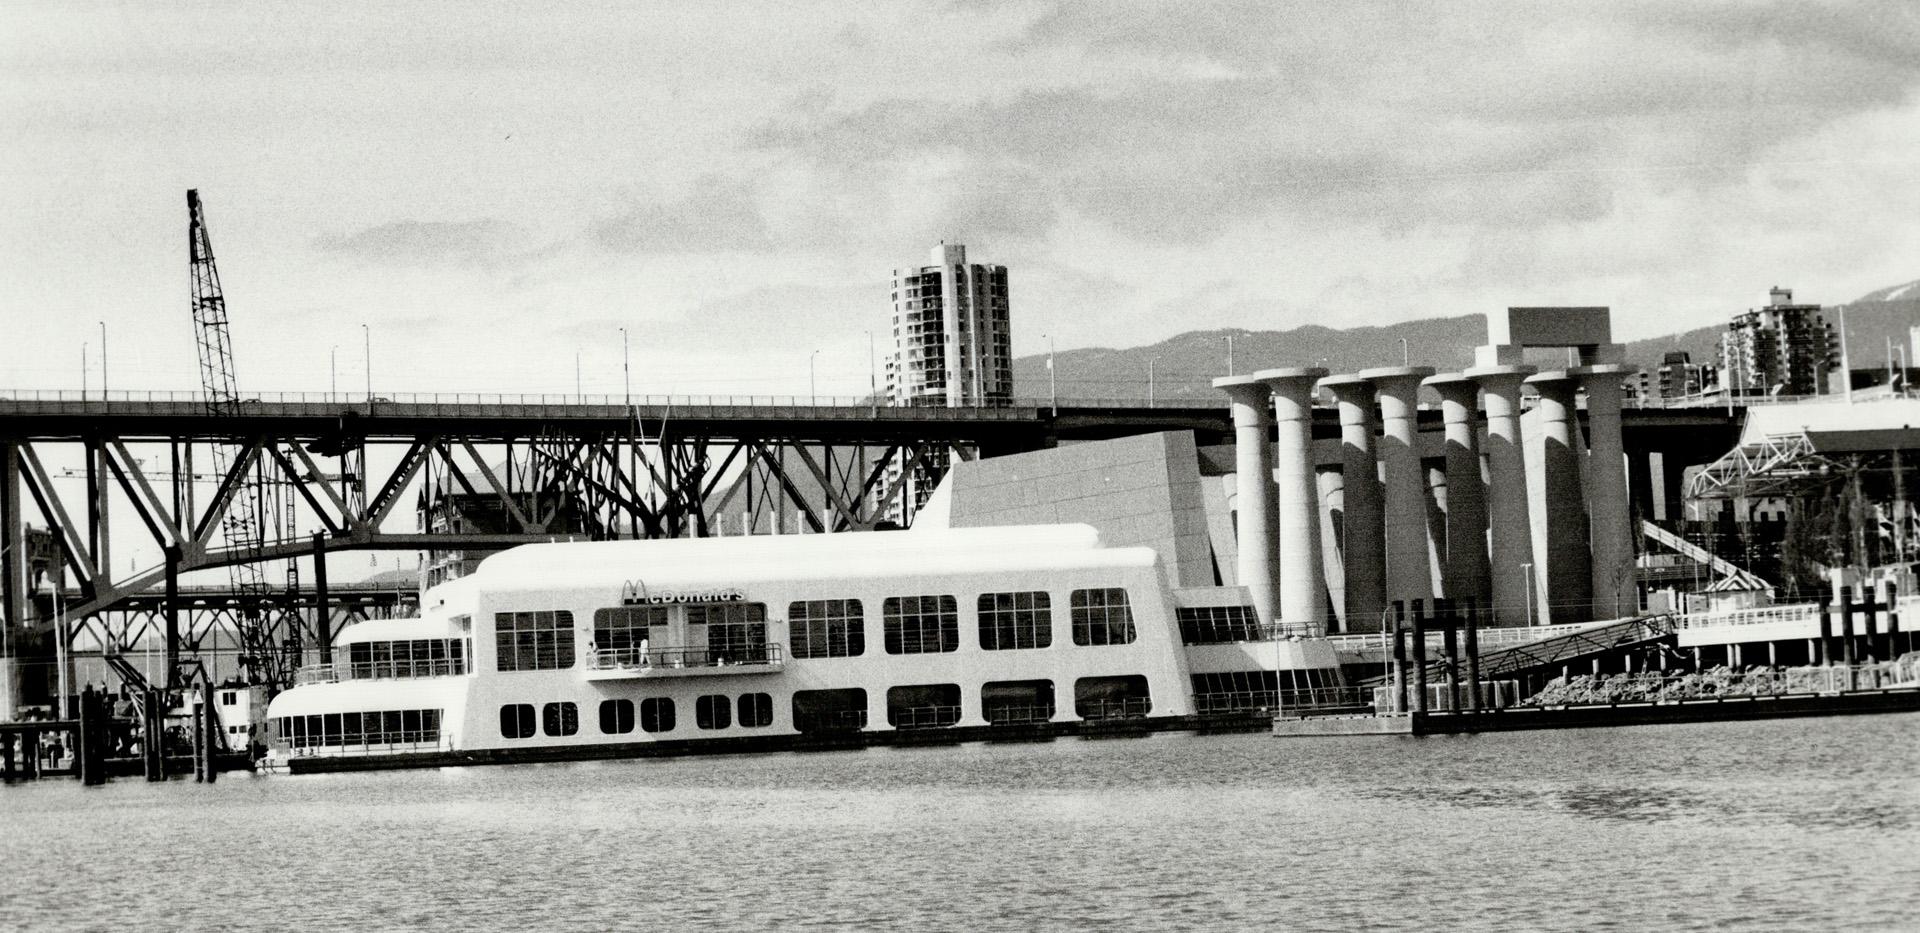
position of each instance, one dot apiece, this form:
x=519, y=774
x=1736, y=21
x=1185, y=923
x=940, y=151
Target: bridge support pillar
x=1303, y=593
x=1254, y=515
x=1614, y=593
x=1363, y=515
x=1567, y=581
x=1409, y=571
x=1509, y=527
x=1465, y=559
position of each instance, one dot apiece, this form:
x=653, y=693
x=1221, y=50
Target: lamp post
x=1053, y=391
x=333, y=370
x=103, y=361
x=873, y=378
x=1230, y=371
x=1150, y=361
x=366, y=334
x=626, y=369
x=813, y=384
x=1526, y=580
x=83, y=370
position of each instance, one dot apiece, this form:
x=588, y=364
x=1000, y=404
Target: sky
x=495, y=190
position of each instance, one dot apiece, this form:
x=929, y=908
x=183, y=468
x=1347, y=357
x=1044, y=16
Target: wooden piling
x=1869, y=625
x=1473, y=653
x=1825, y=658
x=153, y=754
x=210, y=734
x=1399, y=657
x=1451, y=648
x=6, y=756
x=1420, y=655
x=89, y=757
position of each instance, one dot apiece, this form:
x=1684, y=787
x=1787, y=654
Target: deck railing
x=1128, y=708
x=1011, y=715
x=423, y=742
x=678, y=658
x=922, y=717
x=378, y=670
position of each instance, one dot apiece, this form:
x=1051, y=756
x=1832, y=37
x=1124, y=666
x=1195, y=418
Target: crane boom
x=263, y=661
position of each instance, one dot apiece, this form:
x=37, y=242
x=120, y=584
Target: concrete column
x=1567, y=583
x=1333, y=505
x=1509, y=529
x=1363, y=519
x=1303, y=593
x=1409, y=571
x=1609, y=517
x=1466, y=574
x=1254, y=519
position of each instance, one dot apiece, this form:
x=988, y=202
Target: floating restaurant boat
x=633, y=648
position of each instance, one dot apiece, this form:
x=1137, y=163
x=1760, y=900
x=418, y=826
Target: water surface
x=1785, y=825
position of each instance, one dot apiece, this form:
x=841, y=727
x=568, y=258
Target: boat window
x=923, y=706
x=756, y=710
x=1016, y=701
x=560, y=719
x=826, y=628
x=1217, y=625
x=626, y=628
x=377, y=730
x=616, y=717
x=736, y=632
x=656, y=714
x=714, y=711
x=416, y=657
x=1111, y=697
x=1102, y=617
x=920, y=624
x=533, y=641
x=1235, y=691
x=516, y=721
x=817, y=711
x=1015, y=620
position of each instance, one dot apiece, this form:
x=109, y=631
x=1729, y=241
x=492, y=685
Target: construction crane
x=263, y=660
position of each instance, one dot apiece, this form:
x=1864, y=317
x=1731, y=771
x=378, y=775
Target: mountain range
x=1184, y=366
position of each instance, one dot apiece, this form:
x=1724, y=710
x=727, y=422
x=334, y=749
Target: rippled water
x=1807, y=824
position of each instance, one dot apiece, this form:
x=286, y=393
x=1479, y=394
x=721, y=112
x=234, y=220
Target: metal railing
x=589, y=400
x=1196, y=633
x=678, y=658
x=1011, y=715
x=1323, y=699
x=377, y=670
x=1128, y=708
x=420, y=743
x=1489, y=637
x=922, y=717
x=1797, y=612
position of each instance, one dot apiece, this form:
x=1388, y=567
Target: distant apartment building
x=952, y=345
x=1781, y=349
x=953, y=348
x=1677, y=376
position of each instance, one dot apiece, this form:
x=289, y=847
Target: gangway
x=1559, y=648
x=1732, y=576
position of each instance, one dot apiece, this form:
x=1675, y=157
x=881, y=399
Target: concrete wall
x=1143, y=490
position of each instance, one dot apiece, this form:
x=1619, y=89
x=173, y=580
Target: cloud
x=1393, y=117
x=423, y=243
x=719, y=214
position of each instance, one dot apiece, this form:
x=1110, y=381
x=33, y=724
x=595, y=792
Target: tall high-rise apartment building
x=1781, y=349
x=952, y=349
x=952, y=346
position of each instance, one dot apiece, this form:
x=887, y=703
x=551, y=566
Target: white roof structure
x=1784, y=445
x=735, y=561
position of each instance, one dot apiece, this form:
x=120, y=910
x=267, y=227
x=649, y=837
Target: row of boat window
x=415, y=657
x=385, y=728
x=911, y=706
x=826, y=628
x=654, y=714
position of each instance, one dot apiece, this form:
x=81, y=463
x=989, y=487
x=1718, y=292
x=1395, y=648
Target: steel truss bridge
x=483, y=472
x=479, y=473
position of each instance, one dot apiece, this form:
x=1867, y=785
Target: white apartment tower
x=952, y=345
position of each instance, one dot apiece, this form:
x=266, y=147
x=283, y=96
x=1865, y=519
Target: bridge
x=487, y=471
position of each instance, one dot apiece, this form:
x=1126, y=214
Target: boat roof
x=1837, y=425
x=680, y=562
